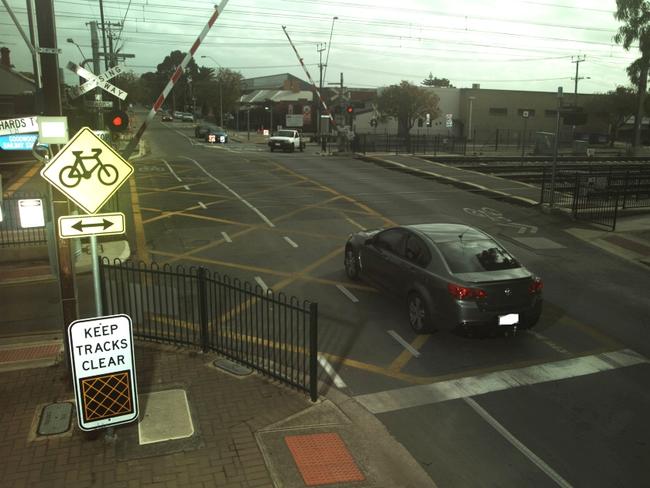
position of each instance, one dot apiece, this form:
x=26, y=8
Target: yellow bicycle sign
x=87, y=170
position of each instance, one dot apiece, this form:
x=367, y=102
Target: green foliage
x=407, y=103
x=438, y=82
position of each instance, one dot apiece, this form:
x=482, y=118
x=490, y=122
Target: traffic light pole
x=52, y=106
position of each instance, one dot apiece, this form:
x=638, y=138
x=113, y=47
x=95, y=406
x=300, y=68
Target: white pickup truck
x=287, y=140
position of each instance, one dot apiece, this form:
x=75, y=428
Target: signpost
x=103, y=371
x=91, y=225
x=18, y=142
x=449, y=121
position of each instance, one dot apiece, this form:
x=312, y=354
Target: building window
x=531, y=112
x=420, y=122
x=498, y=111
x=550, y=113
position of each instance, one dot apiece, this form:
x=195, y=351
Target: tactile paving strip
x=323, y=459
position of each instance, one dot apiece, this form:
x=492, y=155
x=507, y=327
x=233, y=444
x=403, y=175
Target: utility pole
x=36, y=59
x=577, y=61
x=320, y=47
x=52, y=106
x=94, y=44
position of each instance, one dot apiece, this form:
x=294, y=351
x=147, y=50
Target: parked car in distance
x=166, y=117
x=216, y=134
x=448, y=274
x=186, y=117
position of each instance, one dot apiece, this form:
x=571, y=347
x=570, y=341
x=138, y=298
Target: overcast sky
x=505, y=44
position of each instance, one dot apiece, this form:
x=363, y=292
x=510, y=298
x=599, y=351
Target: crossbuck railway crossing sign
x=87, y=170
x=103, y=370
x=96, y=80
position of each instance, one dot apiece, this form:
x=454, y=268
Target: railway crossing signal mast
x=311, y=80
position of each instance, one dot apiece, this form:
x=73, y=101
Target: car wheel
x=530, y=321
x=292, y=148
x=419, y=314
x=302, y=147
x=351, y=263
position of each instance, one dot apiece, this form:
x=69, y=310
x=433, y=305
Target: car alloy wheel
x=419, y=315
x=351, y=263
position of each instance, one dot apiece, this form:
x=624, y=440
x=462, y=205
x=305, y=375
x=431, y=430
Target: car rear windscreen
x=473, y=256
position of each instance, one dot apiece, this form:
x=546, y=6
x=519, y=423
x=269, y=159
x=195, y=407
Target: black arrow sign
x=80, y=225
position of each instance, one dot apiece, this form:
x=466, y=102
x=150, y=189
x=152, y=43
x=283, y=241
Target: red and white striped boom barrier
x=311, y=80
x=180, y=69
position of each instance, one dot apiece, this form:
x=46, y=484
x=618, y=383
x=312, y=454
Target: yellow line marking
x=406, y=356
x=16, y=185
x=356, y=224
x=140, y=239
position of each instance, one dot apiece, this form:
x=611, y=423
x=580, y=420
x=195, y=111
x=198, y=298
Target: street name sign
x=95, y=81
x=449, y=120
x=23, y=125
x=106, y=224
x=18, y=142
x=87, y=170
x=103, y=371
x=99, y=103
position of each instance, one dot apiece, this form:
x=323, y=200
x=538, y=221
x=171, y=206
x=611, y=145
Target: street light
x=220, y=92
x=270, y=109
x=71, y=41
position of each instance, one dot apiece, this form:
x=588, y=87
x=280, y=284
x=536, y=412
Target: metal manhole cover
x=55, y=419
x=232, y=367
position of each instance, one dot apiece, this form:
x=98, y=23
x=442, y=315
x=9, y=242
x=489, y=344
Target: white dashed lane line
x=186, y=187
x=291, y=243
x=404, y=344
x=226, y=237
x=327, y=367
x=347, y=293
x=202, y=205
x=171, y=170
x=260, y=281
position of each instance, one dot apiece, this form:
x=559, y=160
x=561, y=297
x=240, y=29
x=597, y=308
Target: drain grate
x=323, y=459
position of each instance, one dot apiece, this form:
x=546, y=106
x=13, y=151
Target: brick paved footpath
x=226, y=412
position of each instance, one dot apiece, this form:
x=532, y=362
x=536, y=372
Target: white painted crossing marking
x=291, y=243
x=414, y=396
x=260, y=281
x=355, y=223
x=347, y=293
x=404, y=344
x=202, y=205
x=171, y=170
x=536, y=460
x=241, y=199
x=186, y=187
x=338, y=381
x=549, y=342
x=226, y=237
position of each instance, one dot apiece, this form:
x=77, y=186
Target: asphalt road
x=564, y=404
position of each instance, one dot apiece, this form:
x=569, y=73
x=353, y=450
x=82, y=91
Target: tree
x=407, y=103
x=220, y=93
x=614, y=108
x=438, y=82
x=635, y=15
x=182, y=89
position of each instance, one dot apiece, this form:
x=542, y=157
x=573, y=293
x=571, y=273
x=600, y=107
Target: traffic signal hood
x=117, y=121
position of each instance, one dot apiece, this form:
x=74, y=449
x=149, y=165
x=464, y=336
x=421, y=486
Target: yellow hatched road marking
x=405, y=356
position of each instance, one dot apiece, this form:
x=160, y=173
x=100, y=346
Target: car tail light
x=465, y=293
x=535, y=286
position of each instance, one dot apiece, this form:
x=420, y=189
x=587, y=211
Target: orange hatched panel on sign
x=106, y=396
x=323, y=459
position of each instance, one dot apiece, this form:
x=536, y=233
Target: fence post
x=624, y=190
x=615, y=212
x=543, y=183
x=313, y=351
x=102, y=285
x=203, y=307
x=576, y=192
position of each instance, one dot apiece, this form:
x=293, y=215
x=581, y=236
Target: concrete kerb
x=382, y=459
x=465, y=185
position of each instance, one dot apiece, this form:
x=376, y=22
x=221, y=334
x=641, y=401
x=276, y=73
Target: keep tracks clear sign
x=103, y=370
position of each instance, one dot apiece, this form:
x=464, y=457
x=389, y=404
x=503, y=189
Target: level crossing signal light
x=349, y=109
x=117, y=121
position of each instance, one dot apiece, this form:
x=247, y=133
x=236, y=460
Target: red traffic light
x=118, y=121
x=350, y=109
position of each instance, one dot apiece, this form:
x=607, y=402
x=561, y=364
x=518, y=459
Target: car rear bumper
x=466, y=314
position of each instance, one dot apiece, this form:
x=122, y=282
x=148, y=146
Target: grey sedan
x=448, y=274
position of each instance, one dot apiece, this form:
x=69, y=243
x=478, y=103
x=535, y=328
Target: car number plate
x=510, y=319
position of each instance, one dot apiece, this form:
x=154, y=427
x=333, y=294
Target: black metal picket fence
x=12, y=230
x=274, y=334
x=416, y=144
x=597, y=194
